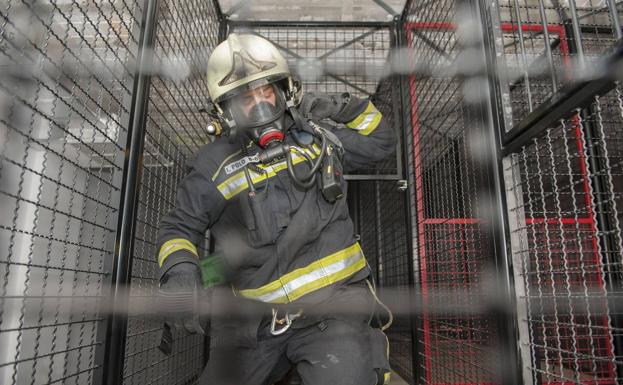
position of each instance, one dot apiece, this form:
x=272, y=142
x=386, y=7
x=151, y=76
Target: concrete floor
x=397, y=380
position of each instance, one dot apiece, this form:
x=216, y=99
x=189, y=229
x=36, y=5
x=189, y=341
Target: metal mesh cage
x=395, y=271
x=67, y=72
x=187, y=31
x=65, y=82
x=547, y=44
x=381, y=219
x=564, y=193
x=456, y=331
x=69, y=75
x=566, y=189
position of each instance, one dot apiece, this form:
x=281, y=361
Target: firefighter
x=270, y=189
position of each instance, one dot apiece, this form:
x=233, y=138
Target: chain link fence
x=186, y=33
x=66, y=85
x=453, y=247
x=69, y=75
x=564, y=190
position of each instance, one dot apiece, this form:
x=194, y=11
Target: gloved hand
x=179, y=295
x=323, y=106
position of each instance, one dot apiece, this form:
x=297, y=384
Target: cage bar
x=535, y=107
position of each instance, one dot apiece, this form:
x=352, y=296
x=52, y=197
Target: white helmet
x=244, y=62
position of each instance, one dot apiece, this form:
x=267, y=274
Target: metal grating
x=65, y=83
x=334, y=58
x=563, y=191
x=567, y=188
x=381, y=219
x=456, y=330
x=187, y=31
x=547, y=44
x=395, y=271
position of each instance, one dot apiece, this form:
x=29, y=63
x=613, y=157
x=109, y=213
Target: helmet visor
x=258, y=106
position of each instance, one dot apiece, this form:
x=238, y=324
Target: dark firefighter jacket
x=283, y=244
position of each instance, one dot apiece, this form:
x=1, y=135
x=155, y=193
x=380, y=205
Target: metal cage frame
x=545, y=169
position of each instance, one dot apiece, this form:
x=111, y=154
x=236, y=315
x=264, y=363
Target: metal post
x=223, y=27
x=577, y=34
x=396, y=41
x=122, y=260
x=410, y=218
x=488, y=126
x=614, y=17
x=379, y=234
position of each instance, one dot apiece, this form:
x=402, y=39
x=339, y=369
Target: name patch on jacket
x=240, y=163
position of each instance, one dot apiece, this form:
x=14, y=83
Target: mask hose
x=305, y=185
x=307, y=181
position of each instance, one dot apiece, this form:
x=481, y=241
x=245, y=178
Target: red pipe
x=409, y=26
x=555, y=221
x=451, y=221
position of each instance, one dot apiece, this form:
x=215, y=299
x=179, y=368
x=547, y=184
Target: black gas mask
x=259, y=114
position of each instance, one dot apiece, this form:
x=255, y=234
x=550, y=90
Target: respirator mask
x=259, y=114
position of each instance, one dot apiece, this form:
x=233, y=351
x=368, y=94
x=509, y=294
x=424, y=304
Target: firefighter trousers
x=332, y=351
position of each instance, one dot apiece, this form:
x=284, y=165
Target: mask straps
x=300, y=122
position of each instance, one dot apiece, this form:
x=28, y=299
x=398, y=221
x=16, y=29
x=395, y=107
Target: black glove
x=323, y=106
x=179, y=296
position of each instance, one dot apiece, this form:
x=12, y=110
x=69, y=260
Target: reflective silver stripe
x=300, y=282
x=273, y=296
x=238, y=182
x=366, y=121
x=228, y=189
x=321, y=273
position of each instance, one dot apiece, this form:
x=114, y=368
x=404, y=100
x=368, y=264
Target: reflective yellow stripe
x=386, y=377
x=367, y=121
x=302, y=281
x=173, y=245
x=237, y=183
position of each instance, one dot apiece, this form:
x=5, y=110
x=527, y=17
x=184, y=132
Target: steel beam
x=563, y=103
x=488, y=125
x=114, y=354
x=354, y=40
x=386, y=7
x=310, y=24
x=415, y=327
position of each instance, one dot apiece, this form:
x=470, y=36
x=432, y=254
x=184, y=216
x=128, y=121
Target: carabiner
x=287, y=320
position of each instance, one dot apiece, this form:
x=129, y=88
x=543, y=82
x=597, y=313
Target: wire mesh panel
x=563, y=192
x=547, y=44
x=381, y=226
x=566, y=189
x=457, y=333
x=331, y=59
x=395, y=271
x=187, y=31
x=65, y=82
